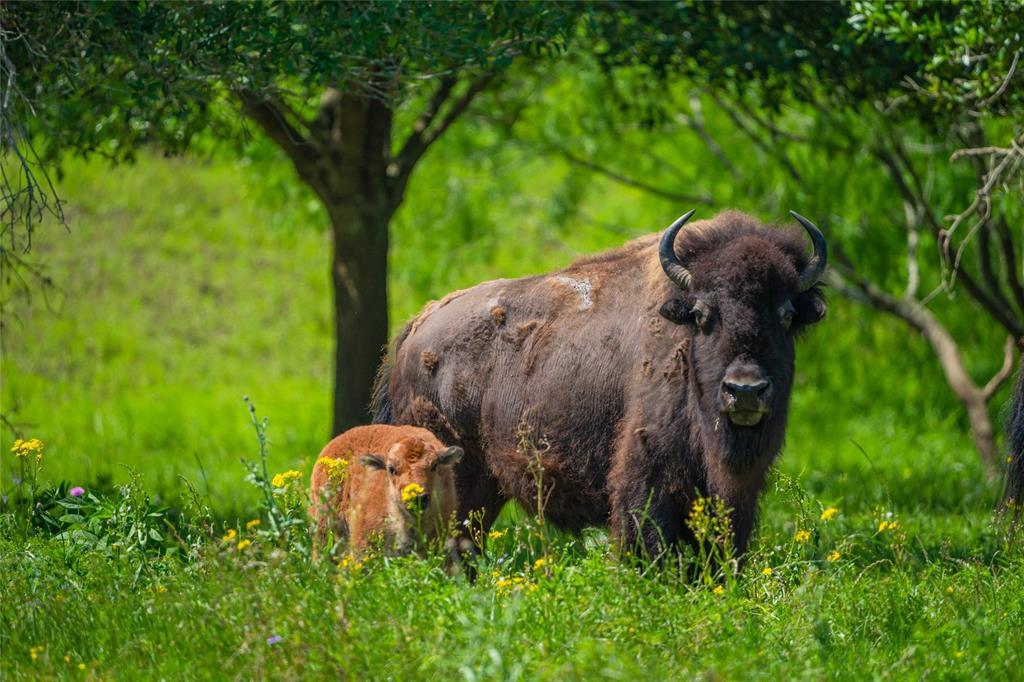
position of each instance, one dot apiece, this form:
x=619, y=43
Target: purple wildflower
x=77, y=491
x=274, y=640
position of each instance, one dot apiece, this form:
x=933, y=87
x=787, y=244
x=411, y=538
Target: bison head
x=417, y=473
x=746, y=291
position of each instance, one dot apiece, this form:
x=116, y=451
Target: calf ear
x=450, y=456
x=372, y=461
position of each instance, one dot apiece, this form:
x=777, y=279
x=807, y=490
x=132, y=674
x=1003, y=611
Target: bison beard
x=656, y=373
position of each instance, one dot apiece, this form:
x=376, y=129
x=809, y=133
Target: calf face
x=421, y=482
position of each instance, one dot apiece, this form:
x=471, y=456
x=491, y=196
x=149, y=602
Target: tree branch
x=269, y=115
x=427, y=128
x=778, y=154
x=971, y=396
x=1010, y=256
x=1004, y=372
x=636, y=184
x=914, y=195
x=696, y=122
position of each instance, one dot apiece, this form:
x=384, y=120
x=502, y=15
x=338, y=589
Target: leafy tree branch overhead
x=354, y=94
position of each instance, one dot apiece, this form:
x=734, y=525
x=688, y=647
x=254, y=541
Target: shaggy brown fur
x=367, y=500
x=607, y=361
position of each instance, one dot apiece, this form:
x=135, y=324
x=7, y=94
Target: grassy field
x=183, y=286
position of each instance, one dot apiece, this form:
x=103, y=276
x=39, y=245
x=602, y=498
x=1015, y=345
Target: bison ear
x=810, y=308
x=676, y=310
x=452, y=455
x=372, y=461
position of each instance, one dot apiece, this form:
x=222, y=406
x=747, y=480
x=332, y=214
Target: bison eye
x=701, y=315
x=785, y=312
x=391, y=470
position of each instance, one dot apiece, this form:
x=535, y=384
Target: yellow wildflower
x=540, y=563
x=949, y=589
x=252, y=524
x=698, y=508
x=67, y=659
x=887, y=525
x=349, y=562
x=230, y=535
x=34, y=651
x=243, y=544
x=23, y=448
x=282, y=479
x=336, y=468
x=802, y=536
x=767, y=570
x=718, y=589
x=81, y=666
x=833, y=556
x=161, y=589
x=410, y=493
x=829, y=514
x=496, y=534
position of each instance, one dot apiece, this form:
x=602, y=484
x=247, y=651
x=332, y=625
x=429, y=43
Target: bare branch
x=971, y=396
x=1004, y=372
x=774, y=152
x=636, y=184
x=1006, y=82
x=1010, y=257
x=913, y=237
x=696, y=122
x=988, y=274
x=980, y=151
x=269, y=115
x=414, y=144
x=400, y=168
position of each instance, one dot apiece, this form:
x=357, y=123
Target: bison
x=657, y=372
x=392, y=481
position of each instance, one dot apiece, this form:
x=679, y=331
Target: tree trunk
x=344, y=154
x=359, y=277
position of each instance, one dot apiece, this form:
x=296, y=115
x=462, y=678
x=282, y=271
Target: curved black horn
x=667, y=253
x=819, y=259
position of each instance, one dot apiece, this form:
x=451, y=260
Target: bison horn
x=819, y=259
x=667, y=253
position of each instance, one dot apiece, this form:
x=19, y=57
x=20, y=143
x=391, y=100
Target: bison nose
x=746, y=392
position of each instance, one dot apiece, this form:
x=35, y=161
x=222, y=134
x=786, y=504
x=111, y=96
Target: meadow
x=183, y=285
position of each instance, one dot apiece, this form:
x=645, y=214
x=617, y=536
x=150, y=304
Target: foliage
x=112, y=78
x=966, y=53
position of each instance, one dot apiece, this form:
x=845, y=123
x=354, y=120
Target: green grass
x=183, y=286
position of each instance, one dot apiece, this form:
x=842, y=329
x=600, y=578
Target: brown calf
x=392, y=481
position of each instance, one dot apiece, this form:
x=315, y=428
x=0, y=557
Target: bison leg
x=479, y=496
x=645, y=518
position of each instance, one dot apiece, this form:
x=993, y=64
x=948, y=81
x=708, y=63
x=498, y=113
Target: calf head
x=420, y=476
x=746, y=291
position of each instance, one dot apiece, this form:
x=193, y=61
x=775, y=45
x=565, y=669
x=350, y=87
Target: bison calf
x=393, y=481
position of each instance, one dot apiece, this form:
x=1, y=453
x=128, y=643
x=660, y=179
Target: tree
x=354, y=94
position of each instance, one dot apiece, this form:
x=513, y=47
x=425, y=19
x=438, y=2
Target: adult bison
x=657, y=372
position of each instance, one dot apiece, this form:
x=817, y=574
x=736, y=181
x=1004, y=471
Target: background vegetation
x=183, y=283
